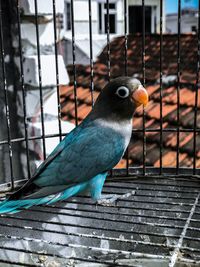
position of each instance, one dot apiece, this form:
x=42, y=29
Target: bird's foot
x=111, y=200
x=107, y=200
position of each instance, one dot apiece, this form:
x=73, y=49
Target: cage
x=156, y=220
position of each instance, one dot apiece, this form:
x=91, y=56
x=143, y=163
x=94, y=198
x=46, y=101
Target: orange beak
x=140, y=96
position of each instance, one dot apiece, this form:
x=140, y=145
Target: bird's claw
x=107, y=200
x=111, y=200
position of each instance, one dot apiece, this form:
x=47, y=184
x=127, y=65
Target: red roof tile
x=169, y=159
x=188, y=46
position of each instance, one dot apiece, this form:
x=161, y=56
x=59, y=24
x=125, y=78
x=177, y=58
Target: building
x=25, y=83
x=99, y=14
x=189, y=21
x=116, y=16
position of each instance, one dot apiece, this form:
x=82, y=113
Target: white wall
x=120, y=17
x=44, y=6
x=81, y=17
x=171, y=24
x=186, y=23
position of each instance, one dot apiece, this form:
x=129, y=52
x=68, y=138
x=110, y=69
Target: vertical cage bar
x=126, y=68
x=5, y=88
x=40, y=78
x=57, y=73
x=108, y=39
x=196, y=95
x=125, y=39
x=74, y=62
x=178, y=87
x=108, y=49
x=91, y=54
x=23, y=91
x=161, y=88
x=144, y=82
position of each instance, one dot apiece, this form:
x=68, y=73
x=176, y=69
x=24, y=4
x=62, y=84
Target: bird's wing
x=92, y=151
x=55, y=153
x=87, y=151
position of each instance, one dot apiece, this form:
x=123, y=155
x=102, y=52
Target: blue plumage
x=81, y=161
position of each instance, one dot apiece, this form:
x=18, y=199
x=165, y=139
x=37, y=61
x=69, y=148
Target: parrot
x=81, y=161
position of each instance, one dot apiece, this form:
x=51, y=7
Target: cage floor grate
x=158, y=225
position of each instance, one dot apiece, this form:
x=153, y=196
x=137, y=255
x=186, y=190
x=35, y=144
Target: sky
x=172, y=5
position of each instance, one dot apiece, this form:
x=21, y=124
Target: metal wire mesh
x=10, y=141
x=158, y=219
x=158, y=224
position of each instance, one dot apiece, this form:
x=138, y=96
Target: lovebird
x=81, y=161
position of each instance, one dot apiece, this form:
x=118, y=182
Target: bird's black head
x=120, y=98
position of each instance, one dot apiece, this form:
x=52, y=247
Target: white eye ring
x=122, y=92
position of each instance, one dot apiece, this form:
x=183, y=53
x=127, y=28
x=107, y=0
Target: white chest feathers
x=124, y=128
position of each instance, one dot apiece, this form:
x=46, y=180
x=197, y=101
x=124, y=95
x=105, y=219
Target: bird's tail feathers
x=14, y=206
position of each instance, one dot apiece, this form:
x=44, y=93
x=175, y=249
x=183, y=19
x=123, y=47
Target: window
x=103, y=20
x=111, y=6
x=194, y=29
x=136, y=19
x=67, y=11
x=111, y=23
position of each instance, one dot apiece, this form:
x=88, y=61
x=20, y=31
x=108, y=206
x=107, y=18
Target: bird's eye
x=122, y=92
